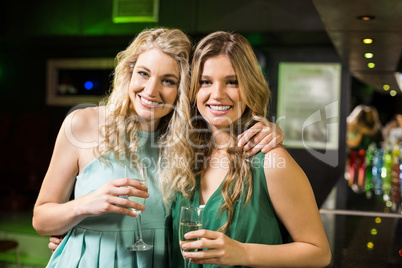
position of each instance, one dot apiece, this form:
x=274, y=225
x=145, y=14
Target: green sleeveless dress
x=102, y=241
x=254, y=222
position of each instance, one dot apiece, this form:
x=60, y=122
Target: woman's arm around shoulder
x=295, y=205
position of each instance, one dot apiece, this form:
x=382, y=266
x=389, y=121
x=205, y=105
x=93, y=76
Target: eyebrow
x=171, y=75
x=165, y=75
x=226, y=77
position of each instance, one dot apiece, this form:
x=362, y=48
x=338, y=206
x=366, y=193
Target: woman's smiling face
x=218, y=98
x=153, y=86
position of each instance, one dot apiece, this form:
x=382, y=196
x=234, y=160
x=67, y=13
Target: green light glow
x=255, y=39
x=133, y=19
x=135, y=11
x=368, y=55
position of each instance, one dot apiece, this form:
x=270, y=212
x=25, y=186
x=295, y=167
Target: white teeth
x=149, y=102
x=220, y=108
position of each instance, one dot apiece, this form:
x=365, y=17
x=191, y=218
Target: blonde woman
x=145, y=112
x=244, y=199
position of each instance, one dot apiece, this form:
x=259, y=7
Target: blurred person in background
x=393, y=130
x=364, y=129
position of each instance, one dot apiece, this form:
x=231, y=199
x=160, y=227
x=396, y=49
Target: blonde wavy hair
x=118, y=134
x=255, y=94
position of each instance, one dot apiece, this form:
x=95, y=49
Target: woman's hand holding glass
x=191, y=219
x=222, y=250
x=107, y=199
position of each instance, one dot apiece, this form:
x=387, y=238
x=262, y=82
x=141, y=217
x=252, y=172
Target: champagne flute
x=139, y=244
x=190, y=220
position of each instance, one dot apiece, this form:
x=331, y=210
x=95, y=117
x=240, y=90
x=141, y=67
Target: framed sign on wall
x=76, y=81
x=308, y=104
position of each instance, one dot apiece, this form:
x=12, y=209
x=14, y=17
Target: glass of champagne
x=139, y=244
x=190, y=220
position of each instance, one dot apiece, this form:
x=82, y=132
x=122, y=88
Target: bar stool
x=6, y=245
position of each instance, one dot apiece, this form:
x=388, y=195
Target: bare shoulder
x=278, y=154
x=83, y=124
x=286, y=181
x=277, y=151
x=84, y=117
x=278, y=163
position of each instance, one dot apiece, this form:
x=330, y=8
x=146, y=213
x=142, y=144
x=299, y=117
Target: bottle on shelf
x=395, y=191
x=368, y=185
x=386, y=172
x=376, y=171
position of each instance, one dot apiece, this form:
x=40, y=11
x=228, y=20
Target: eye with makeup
x=169, y=82
x=143, y=73
x=204, y=82
x=233, y=83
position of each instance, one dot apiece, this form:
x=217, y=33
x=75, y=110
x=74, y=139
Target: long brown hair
x=255, y=94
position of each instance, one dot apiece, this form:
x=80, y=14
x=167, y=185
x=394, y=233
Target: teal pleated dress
x=255, y=222
x=102, y=241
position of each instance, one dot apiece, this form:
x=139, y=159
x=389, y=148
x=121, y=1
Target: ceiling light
x=366, y=18
x=392, y=93
x=368, y=55
x=367, y=40
x=385, y=87
x=371, y=65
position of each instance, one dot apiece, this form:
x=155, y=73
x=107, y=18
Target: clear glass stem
x=139, y=244
x=139, y=214
x=187, y=262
